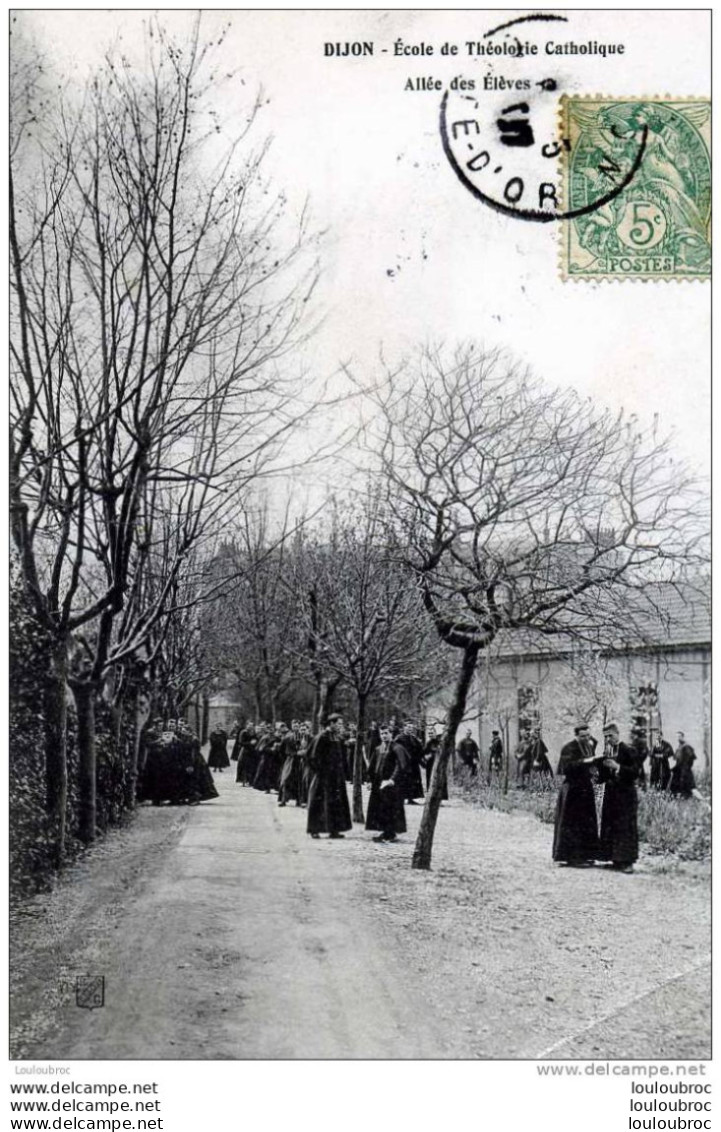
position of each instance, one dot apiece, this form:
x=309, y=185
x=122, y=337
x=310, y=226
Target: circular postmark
x=504, y=184
x=504, y=140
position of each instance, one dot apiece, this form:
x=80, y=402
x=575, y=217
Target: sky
x=408, y=256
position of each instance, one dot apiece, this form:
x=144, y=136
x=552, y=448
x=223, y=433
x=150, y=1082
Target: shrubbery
x=680, y=827
x=538, y=799
x=31, y=849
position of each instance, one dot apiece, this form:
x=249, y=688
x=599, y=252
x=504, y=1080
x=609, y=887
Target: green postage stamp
x=647, y=163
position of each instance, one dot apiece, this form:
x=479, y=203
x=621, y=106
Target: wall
x=594, y=693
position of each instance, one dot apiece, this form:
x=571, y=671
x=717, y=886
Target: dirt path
x=224, y=932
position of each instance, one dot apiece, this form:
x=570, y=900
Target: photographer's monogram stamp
x=90, y=991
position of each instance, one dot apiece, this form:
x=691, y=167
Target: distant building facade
x=224, y=709
x=661, y=683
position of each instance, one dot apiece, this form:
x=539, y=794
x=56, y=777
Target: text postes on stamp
x=658, y=226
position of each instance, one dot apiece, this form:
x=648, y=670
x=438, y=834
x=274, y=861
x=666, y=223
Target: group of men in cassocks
x=578, y=841
x=272, y=758
x=393, y=764
x=418, y=757
x=171, y=767
x=314, y=771
x=677, y=779
x=532, y=757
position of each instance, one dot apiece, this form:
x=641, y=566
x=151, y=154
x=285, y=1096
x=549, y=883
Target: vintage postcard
x=359, y=567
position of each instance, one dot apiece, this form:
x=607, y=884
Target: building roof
x=224, y=699
x=672, y=616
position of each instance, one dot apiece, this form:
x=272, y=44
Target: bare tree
x=524, y=507
x=150, y=307
x=255, y=632
x=373, y=639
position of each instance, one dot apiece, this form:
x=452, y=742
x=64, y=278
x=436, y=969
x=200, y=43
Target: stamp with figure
x=658, y=226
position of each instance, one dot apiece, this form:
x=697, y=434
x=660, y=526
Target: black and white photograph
x=359, y=584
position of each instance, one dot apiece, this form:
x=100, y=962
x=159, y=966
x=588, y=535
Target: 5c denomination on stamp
x=658, y=225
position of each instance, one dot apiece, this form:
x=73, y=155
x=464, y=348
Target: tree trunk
x=56, y=749
x=84, y=694
x=323, y=706
x=205, y=722
x=140, y=718
x=424, y=842
x=507, y=761
x=325, y=701
x=198, y=719
x=315, y=714
x=358, y=761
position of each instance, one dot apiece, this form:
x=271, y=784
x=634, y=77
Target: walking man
x=619, y=772
x=682, y=782
x=660, y=774
x=413, y=784
x=218, y=756
x=291, y=775
x=430, y=754
x=523, y=757
x=538, y=752
x=575, y=833
x=469, y=753
x=328, y=809
x=385, y=805
x=495, y=753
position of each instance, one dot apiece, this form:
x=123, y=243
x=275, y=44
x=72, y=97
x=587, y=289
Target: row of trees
x=155, y=315
x=330, y=605
x=503, y=509
x=152, y=305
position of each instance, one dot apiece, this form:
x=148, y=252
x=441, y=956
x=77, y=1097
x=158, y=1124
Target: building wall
x=594, y=695
x=223, y=715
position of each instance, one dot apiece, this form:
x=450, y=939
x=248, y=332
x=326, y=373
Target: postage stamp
x=659, y=225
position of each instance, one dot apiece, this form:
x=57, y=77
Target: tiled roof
x=672, y=616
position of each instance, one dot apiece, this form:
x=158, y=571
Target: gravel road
x=224, y=932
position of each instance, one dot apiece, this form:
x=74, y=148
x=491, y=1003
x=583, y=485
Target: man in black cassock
x=469, y=753
x=218, y=755
x=495, y=753
x=619, y=771
x=267, y=776
x=538, y=752
x=413, y=784
x=575, y=832
x=523, y=757
x=682, y=783
x=291, y=775
x=431, y=752
x=385, y=804
x=247, y=741
x=305, y=743
x=660, y=774
x=328, y=809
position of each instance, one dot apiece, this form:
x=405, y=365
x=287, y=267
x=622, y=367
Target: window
x=645, y=716
x=529, y=708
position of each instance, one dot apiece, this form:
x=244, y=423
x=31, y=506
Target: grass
x=666, y=825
